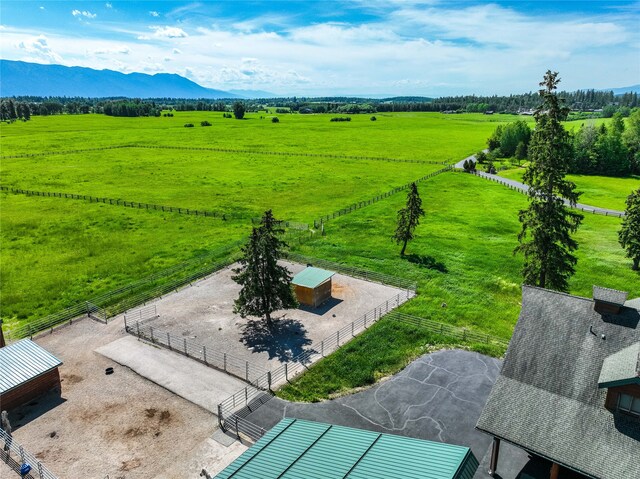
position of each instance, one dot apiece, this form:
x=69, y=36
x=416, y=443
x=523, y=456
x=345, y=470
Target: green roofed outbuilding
x=313, y=286
x=296, y=448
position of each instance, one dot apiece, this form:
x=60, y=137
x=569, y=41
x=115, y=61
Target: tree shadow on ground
x=426, y=261
x=285, y=340
x=323, y=309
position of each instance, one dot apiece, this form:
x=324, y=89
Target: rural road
x=524, y=188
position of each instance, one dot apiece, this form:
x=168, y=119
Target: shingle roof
x=607, y=295
x=312, y=277
x=23, y=361
x=295, y=449
x=621, y=368
x=547, y=399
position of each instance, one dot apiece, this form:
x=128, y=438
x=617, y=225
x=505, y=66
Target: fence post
x=246, y=396
x=286, y=372
x=246, y=365
x=322, y=348
x=169, y=340
x=225, y=361
x=352, y=335
x=185, y=347
x=152, y=338
x=464, y=334
x=138, y=328
x=338, y=337
x=237, y=430
x=269, y=379
x=220, y=416
x=204, y=354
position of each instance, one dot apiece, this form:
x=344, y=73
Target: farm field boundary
x=125, y=203
x=134, y=294
x=225, y=150
x=361, y=204
x=233, y=411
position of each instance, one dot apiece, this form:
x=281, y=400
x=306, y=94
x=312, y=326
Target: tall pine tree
x=266, y=285
x=408, y=218
x=629, y=234
x=547, y=224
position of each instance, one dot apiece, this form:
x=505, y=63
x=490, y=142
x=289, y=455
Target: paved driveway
x=437, y=397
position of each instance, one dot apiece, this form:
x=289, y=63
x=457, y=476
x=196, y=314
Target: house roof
x=612, y=296
x=621, y=368
x=311, y=277
x=23, y=361
x=547, y=399
x=295, y=448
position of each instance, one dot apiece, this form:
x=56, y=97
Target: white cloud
x=39, y=48
x=108, y=5
x=124, y=50
x=168, y=32
x=41, y=8
x=153, y=13
x=167, y=59
x=143, y=37
x=83, y=13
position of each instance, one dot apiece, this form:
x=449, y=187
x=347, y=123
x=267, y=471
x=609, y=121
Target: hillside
x=22, y=78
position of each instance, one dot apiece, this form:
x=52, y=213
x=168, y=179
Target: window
x=628, y=403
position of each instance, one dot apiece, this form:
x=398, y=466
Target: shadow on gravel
x=285, y=340
x=425, y=261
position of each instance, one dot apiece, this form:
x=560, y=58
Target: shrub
x=481, y=157
x=275, y=119
x=188, y=125
x=227, y=115
x=373, y=118
x=341, y=118
x=239, y=110
x=205, y=123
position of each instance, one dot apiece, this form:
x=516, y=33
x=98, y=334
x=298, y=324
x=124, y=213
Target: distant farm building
x=28, y=371
x=313, y=286
x=305, y=449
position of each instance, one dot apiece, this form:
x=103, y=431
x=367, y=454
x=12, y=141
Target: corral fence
x=361, y=204
x=233, y=411
x=128, y=204
x=134, y=294
x=586, y=209
x=367, y=275
x=224, y=150
x=96, y=312
x=15, y=456
x=228, y=363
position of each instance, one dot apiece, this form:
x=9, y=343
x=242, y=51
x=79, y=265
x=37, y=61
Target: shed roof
x=23, y=361
x=295, y=448
x=312, y=277
x=611, y=296
x=621, y=368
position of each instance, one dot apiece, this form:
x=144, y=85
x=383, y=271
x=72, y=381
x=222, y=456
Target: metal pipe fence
x=14, y=455
x=353, y=271
x=228, y=363
x=361, y=204
x=225, y=150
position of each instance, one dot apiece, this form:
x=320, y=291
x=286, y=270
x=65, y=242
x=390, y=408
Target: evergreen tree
x=408, y=218
x=547, y=224
x=629, y=234
x=239, y=110
x=266, y=285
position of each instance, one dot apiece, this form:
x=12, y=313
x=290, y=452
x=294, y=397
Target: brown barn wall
x=612, y=394
x=322, y=293
x=304, y=295
x=30, y=390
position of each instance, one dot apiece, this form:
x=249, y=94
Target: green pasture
x=603, y=191
x=57, y=252
x=462, y=257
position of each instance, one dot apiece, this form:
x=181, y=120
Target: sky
x=331, y=47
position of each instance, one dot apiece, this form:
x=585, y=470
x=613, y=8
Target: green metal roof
x=296, y=449
x=311, y=277
x=621, y=368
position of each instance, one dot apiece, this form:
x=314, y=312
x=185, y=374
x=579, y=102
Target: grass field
x=602, y=191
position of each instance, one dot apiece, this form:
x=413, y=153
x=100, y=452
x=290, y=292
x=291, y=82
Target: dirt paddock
x=119, y=425
x=204, y=314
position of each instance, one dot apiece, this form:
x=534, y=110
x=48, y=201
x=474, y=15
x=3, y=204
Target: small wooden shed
x=28, y=371
x=313, y=286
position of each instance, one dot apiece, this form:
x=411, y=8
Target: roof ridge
x=610, y=289
x=560, y=293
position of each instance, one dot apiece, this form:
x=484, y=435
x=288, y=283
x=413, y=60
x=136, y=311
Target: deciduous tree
x=547, y=224
x=408, y=218
x=629, y=234
x=239, y=110
x=266, y=285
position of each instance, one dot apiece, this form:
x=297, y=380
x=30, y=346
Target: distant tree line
x=612, y=150
x=130, y=108
x=14, y=110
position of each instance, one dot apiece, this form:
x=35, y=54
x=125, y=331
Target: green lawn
x=57, y=252
x=602, y=191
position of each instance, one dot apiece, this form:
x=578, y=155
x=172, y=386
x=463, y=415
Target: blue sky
x=372, y=47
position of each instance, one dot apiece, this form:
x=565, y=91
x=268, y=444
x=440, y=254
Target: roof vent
x=608, y=301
